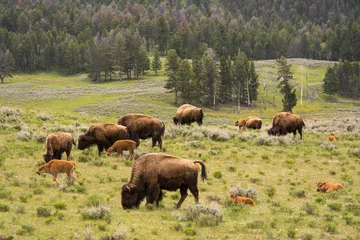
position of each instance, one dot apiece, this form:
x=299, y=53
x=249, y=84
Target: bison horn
x=128, y=188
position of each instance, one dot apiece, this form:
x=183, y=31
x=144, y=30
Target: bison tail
x=203, y=170
x=162, y=129
x=73, y=142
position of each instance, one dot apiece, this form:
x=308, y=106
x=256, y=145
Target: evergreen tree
x=225, y=79
x=6, y=64
x=240, y=77
x=171, y=68
x=284, y=78
x=185, y=76
x=212, y=78
x=162, y=32
x=253, y=83
x=156, y=63
x=331, y=84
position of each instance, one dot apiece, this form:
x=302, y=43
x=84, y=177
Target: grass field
x=279, y=172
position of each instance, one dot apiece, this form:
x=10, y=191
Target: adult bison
x=103, y=135
x=187, y=114
x=250, y=122
x=156, y=171
x=285, y=122
x=141, y=126
x=56, y=144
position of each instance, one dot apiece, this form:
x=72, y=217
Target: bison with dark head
x=56, y=144
x=103, y=135
x=250, y=122
x=284, y=123
x=141, y=126
x=187, y=114
x=154, y=172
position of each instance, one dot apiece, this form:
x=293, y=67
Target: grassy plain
x=282, y=171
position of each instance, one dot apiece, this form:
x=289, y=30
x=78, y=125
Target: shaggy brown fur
x=120, y=145
x=328, y=186
x=240, y=199
x=54, y=167
x=187, y=114
x=56, y=144
x=332, y=138
x=103, y=135
x=284, y=123
x=141, y=126
x=250, y=122
x=156, y=171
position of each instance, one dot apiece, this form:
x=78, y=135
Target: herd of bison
x=153, y=172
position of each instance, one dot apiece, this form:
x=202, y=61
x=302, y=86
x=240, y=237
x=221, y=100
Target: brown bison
x=284, y=123
x=141, y=126
x=120, y=145
x=328, y=186
x=250, y=122
x=54, y=167
x=156, y=171
x=187, y=114
x=332, y=138
x=56, y=144
x=103, y=135
x=239, y=199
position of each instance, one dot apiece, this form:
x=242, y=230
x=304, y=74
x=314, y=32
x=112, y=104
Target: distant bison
x=332, y=138
x=55, y=166
x=187, y=114
x=284, y=123
x=141, y=126
x=103, y=135
x=239, y=199
x=56, y=144
x=250, y=122
x=328, y=186
x=156, y=171
x=120, y=145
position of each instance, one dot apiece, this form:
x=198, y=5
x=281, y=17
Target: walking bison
x=187, y=114
x=56, y=144
x=154, y=172
x=250, y=122
x=55, y=166
x=103, y=135
x=141, y=126
x=284, y=123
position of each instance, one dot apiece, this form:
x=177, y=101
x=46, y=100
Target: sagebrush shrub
x=202, y=215
x=250, y=192
x=99, y=212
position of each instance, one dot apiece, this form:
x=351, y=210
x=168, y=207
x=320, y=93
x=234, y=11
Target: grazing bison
x=120, y=145
x=327, y=186
x=54, y=167
x=284, y=123
x=141, y=126
x=332, y=138
x=56, y=144
x=156, y=171
x=103, y=135
x=187, y=114
x=239, y=199
x=250, y=122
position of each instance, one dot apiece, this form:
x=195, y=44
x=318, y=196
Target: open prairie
x=279, y=173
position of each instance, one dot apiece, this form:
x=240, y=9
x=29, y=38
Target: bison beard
x=156, y=171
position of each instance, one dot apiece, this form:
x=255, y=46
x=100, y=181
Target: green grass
x=282, y=171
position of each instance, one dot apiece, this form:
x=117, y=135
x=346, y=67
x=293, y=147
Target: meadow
x=280, y=173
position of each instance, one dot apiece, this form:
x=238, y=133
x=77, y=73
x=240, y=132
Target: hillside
x=280, y=172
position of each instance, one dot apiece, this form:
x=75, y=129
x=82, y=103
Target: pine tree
x=225, y=79
x=171, y=67
x=6, y=64
x=156, y=63
x=331, y=84
x=284, y=78
x=185, y=76
x=253, y=83
x=212, y=78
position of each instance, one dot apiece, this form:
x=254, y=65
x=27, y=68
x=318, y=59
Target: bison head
x=272, y=131
x=47, y=157
x=198, y=116
x=321, y=186
x=85, y=142
x=130, y=198
x=176, y=120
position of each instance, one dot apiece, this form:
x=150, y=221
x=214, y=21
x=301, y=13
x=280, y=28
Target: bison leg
x=132, y=154
x=300, y=132
x=135, y=138
x=153, y=193
x=195, y=192
x=74, y=176
x=68, y=155
x=183, y=192
x=54, y=179
x=100, y=149
x=120, y=155
x=157, y=139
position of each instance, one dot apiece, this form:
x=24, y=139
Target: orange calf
x=327, y=186
x=244, y=200
x=120, y=145
x=54, y=167
x=332, y=138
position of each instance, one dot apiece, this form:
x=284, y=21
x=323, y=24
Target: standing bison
x=141, y=126
x=156, y=171
x=56, y=144
x=187, y=114
x=103, y=135
x=250, y=122
x=285, y=122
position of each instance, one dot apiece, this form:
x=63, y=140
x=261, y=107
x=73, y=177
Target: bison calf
x=332, y=138
x=54, y=167
x=327, y=186
x=120, y=145
x=238, y=199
